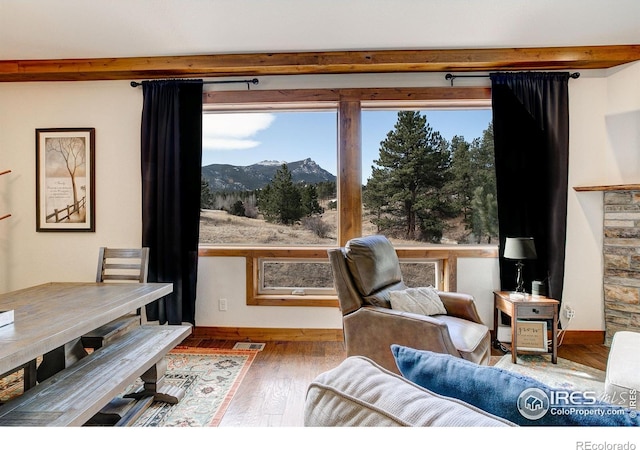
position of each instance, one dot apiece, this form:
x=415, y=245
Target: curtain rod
x=452, y=77
x=248, y=82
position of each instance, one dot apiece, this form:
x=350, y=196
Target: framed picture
x=65, y=185
x=532, y=335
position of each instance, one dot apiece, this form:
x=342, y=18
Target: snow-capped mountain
x=225, y=177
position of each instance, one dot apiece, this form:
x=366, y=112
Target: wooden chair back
x=123, y=265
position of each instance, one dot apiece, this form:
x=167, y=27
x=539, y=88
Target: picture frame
x=532, y=335
x=65, y=179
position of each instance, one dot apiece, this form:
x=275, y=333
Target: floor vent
x=248, y=346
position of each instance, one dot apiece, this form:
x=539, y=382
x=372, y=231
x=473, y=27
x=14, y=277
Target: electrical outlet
x=222, y=304
x=569, y=312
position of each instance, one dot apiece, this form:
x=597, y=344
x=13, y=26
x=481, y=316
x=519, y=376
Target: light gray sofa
x=360, y=392
x=622, y=381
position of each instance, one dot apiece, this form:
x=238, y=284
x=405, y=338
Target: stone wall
x=621, y=262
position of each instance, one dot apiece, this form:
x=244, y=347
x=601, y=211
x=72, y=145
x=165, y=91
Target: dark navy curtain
x=171, y=168
x=531, y=133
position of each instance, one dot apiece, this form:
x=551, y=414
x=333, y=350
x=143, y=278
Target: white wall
x=113, y=108
x=622, y=119
x=587, y=150
x=604, y=149
x=480, y=277
x=220, y=277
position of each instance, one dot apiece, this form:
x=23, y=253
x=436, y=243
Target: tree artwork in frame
x=65, y=193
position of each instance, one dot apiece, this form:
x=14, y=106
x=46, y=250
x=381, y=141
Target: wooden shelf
x=608, y=187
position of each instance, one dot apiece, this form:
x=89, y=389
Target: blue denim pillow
x=517, y=398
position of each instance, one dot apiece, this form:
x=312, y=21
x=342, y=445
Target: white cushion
x=361, y=393
x=421, y=300
x=622, y=381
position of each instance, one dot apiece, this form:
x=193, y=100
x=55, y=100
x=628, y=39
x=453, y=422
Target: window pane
x=269, y=178
x=285, y=276
x=429, y=176
x=419, y=274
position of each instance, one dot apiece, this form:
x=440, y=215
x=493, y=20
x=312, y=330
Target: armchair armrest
x=460, y=305
x=371, y=330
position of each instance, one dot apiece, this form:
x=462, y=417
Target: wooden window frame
x=439, y=269
x=322, y=292
x=350, y=102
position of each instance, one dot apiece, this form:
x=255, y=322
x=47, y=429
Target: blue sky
x=243, y=139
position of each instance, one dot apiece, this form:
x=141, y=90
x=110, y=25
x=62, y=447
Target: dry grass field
x=220, y=227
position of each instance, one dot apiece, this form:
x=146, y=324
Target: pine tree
x=309, y=201
x=280, y=200
x=374, y=197
x=485, y=215
x=206, y=196
x=326, y=190
x=461, y=187
x=485, y=206
x=237, y=209
x=407, y=183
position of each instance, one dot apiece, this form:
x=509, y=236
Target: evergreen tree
x=237, y=209
x=280, y=200
x=485, y=206
x=309, y=201
x=265, y=204
x=485, y=215
x=206, y=196
x=374, y=197
x=326, y=190
x=407, y=183
x=461, y=187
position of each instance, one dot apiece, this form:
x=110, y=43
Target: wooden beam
x=336, y=62
x=608, y=187
x=336, y=95
x=349, y=171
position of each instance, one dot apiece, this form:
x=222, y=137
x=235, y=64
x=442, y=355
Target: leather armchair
x=364, y=272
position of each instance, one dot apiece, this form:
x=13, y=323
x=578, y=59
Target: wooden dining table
x=51, y=315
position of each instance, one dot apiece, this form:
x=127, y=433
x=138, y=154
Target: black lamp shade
x=519, y=248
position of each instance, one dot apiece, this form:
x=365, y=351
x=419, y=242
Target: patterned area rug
x=564, y=375
x=210, y=378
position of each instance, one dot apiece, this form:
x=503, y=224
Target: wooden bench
x=74, y=395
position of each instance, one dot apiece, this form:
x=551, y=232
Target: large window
x=285, y=266
x=428, y=176
x=269, y=178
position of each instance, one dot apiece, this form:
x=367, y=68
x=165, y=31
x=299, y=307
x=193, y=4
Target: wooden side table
x=529, y=307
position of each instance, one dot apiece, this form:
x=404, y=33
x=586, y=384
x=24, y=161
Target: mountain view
x=226, y=177
x=422, y=188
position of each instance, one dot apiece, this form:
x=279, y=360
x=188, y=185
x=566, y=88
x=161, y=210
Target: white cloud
x=233, y=131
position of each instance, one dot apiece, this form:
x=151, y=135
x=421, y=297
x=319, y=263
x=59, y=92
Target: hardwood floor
x=590, y=355
x=273, y=391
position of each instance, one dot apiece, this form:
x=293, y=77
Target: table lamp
x=519, y=249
